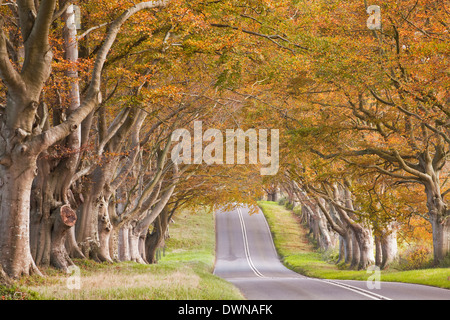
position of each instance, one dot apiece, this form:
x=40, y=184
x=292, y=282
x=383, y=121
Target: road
x=246, y=257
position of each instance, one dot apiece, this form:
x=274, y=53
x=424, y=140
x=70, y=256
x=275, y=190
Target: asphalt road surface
x=246, y=257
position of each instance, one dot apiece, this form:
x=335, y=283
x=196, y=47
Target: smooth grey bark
x=362, y=235
x=124, y=249
x=17, y=156
x=51, y=187
x=439, y=217
x=135, y=254
x=343, y=229
x=156, y=239
x=389, y=248
x=104, y=229
x=96, y=225
x=441, y=236
x=65, y=219
x=138, y=233
x=326, y=240
x=318, y=226
x=378, y=251
x=424, y=167
x=15, y=253
x=366, y=247
x=356, y=254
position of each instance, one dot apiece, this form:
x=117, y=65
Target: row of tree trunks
x=135, y=241
x=141, y=248
x=156, y=239
x=51, y=198
x=318, y=227
x=358, y=248
x=36, y=186
x=386, y=247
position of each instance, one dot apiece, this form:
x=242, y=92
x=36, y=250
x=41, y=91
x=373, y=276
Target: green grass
x=299, y=254
x=184, y=273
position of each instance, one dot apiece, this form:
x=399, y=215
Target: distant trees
x=332, y=211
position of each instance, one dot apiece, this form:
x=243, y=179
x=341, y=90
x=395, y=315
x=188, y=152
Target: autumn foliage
x=363, y=118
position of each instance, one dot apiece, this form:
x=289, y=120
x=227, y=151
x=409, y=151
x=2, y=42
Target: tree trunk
x=65, y=219
x=156, y=239
x=378, y=251
x=15, y=193
x=104, y=231
x=141, y=247
x=21, y=135
x=441, y=237
x=439, y=216
x=356, y=256
x=86, y=231
x=271, y=196
x=342, y=250
x=438, y=211
x=4, y=278
x=363, y=239
x=345, y=249
x=18, y=155
x=72, y=246
x=389, y=248
x=366, y=246
x=51, y=186
x=124, y=247
x=134, y=247
x=325, y=238
x=348, y=246
x=114, y=244
x=362, y=236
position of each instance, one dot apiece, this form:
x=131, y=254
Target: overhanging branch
x=271, y=38
x=93, y=96
x=8, y=73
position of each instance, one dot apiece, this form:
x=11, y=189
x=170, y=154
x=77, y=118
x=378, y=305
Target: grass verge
x=298, y=254
x=183, y=273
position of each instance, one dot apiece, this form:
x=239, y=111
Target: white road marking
x=252, y=266
x=358, y=290
x=246, y=248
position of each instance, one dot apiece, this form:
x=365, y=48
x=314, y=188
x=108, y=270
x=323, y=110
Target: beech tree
x=24, y=135
x=397, y=118
x=376, y=99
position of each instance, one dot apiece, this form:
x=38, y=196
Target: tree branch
x=92, y=29
x=63, y=5
x=27, y=16
x=93, y=96
x=410, y=170
x=266, y=36
x=8, y=73
x=149, y=187
x=340, y=230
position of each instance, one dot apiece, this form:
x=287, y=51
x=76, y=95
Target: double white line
x=246, y=248
x=357, y=290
